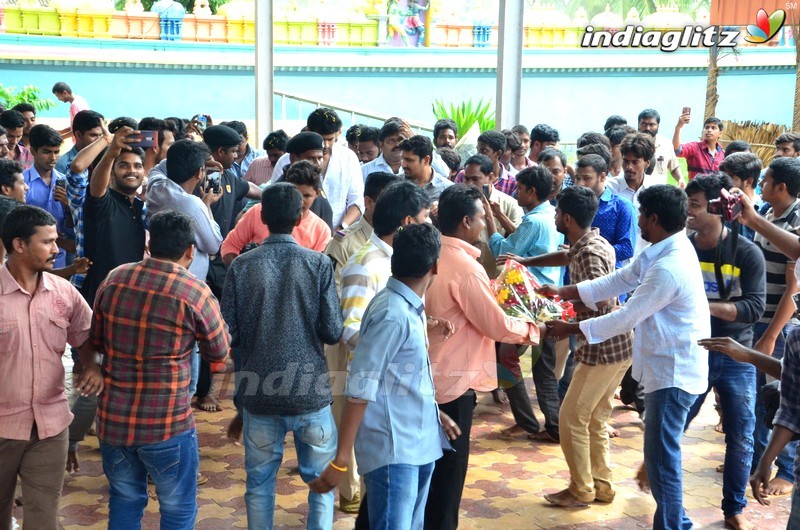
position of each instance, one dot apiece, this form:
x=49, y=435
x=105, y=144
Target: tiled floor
x=504, y=487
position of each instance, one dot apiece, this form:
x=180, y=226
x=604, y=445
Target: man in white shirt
x=342, y=181
x=665, y=159
x=391, y=158
x=669, y=313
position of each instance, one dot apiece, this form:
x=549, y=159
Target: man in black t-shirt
x=735, y=283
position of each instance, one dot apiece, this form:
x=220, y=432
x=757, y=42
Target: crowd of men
x=350, y=285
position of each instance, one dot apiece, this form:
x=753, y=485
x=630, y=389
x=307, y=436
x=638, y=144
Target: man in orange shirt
x=312, y=232
x=466, y=362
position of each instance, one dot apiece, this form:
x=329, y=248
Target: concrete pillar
x=509, y=63
x=265, y=83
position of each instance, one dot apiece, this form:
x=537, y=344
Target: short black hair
x=177, y=126
x=495, y=140
x=276, y=140
x=785, y=138
x=512, y=140
x=594, y=161
x=12, y=119
x=648, y=114
x=544, y=133
x=419, y=145
x=667, y=202
x=455, y=203
x=369, y=134
x=614, y=120
x=185, y=158
x=123, y=121
x=483, y=162
x=415, y=250
x=591, y=137
x=44, y=136
x=398, y=201
x=390, y=127
x=615, y=135
x=304, y=173
x=24, y=107
x=743, y=164
x=7, y=204
x=171, y=234
x=22, y=223
x=551, y=152
x=580, y=203
x=715, y=120
x=378, y=181
x=737, y=146
x=8, y=172
x=352, y=133
x=450, y=157
x=324, y=121
x=786, y=170
x=539, y=179
x=2, y=131
x=640, y=145
x=86, y=120
x=443, y=124
x=61, y=86
x=709, y=184
x=596, y=150
x=237, y=126
x=521, y=129
x=281, y=207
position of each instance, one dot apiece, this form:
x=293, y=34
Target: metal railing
x=356, y=115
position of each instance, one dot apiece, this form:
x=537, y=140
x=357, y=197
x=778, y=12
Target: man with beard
x=391, y=158
x=445, y=134
x=665, y=159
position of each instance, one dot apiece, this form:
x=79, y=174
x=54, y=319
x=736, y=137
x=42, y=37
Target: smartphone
x=213, y=181
x=687, y=110
x=486, y=191
x=145, y=139
x=201, y=120
x=61, y=183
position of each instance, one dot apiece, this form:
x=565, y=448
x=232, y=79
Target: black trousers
x=449, y=472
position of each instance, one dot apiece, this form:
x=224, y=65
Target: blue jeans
x=173, y=466
x=396, y=496
x=761, y=434
x=315, y=440
x=737, y=398
x=667, y=410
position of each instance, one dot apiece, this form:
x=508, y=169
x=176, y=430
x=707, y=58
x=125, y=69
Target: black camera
x=728, y=206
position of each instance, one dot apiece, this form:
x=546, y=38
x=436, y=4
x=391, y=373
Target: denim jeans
x=667, y=410
x=794, y=516
x=315, y=440
x=172, y=464
x=396, y=495
x=761, y=434
x=737, y=399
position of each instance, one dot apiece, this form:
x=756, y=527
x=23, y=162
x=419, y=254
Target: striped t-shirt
x=776, y=261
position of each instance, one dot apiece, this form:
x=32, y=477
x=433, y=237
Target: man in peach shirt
x=39, y=314
x=311, y=232
x=466, y=361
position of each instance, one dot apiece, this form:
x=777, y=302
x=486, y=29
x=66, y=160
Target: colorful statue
x=414, y=24
x=395, y=23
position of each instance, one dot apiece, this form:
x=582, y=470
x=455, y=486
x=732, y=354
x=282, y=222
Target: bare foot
x=778, y=487
x=235, y=427
x=642, y=480
x=72, y=461
x=738, y=522
x=612, y=432
x=513, y=433
x=543, y=436
x=721, y=468
x=499, y=396
x=209, y=404
x=719, y=428
x=565, y=499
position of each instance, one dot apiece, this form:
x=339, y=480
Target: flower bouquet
x=515, y=292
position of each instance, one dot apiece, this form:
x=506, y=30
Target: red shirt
x=699, y=159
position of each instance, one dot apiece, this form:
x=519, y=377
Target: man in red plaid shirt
x=147, y=317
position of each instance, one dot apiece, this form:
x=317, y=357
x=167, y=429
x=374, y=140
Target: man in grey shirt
x=185, y=175
x=281, y=305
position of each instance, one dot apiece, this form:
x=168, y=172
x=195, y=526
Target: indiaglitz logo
x=765, y=27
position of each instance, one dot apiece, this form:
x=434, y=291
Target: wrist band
x=337, y=468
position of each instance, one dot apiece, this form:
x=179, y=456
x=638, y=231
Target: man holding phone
x=705, y=155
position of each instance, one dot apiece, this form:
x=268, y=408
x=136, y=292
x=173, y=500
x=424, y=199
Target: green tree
x=9, y=96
